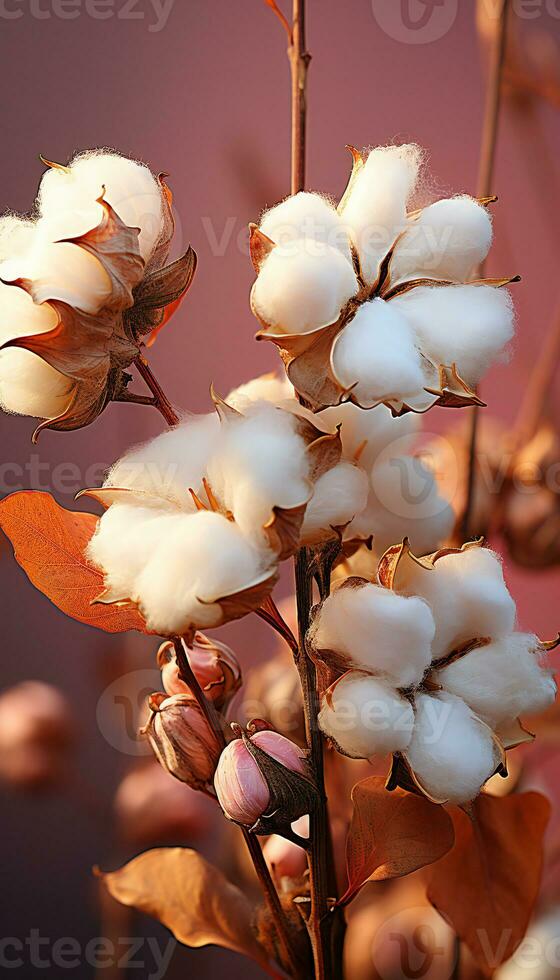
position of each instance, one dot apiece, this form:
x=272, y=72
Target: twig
x=299, y=64
x=484, y=189
x=160, y=401
x=213, y=718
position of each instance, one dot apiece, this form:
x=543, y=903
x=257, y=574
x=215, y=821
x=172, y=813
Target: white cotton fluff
x=366, y=717
x=302, y=286
x=338, y=495
x=16, y=236
x=467, y=594
x=130, y=188
x=404, y=501
x=466, y=325
x=375, y=355
x=175, y=566
x=502, y=680
x=28, y=385
x=375, y=212
x=172, y=463
x=306, y=215
x=261, y=462
x=378, y=630
x=447, y=240
x=452, y=752
x=268, y=387
x=366, y=433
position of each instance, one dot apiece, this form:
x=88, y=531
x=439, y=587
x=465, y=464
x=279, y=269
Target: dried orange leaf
x=49, y=543
x=487, y=886
x=392, y=834
x=191, y=897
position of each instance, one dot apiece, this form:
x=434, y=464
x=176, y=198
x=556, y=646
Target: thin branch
x=270, y=613
x=161, y=401
x=281, y=17
x=299, y=65
x=484, y=189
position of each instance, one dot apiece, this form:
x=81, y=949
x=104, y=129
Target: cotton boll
x=306, y=215
x=130, y=189
x=170, y=464
x=338, y=496
x=200, y=558
x=502, y=680
x=16, y=236
x=452, y=753
x=261, y=463
x=447, y=240
x=365, y=717
x=378, y=630
x=375, y=355
x=365, y=433
x=468, y=596
x=375, y=212
x=404, y=502
x=465, y=325
x=303, y=285
x=269, y=387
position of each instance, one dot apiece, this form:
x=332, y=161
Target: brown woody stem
x=299, y=65
x=213, y=718
x=160, y=399
x=484, y=189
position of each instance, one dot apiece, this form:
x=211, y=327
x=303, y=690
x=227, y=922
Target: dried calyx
x=84, y=286
x=214, y=665
x=182, y=739
x=263, y=782
x=426, y=664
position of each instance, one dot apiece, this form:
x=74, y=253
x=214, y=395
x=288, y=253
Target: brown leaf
x=486, y=888
x=392, y=834
x=192, y=898
x=49, y=543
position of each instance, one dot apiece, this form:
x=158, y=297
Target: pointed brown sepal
x=260, y=246
x=454, y=391
x=357, y=164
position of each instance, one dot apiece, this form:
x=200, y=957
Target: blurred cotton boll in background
x=36, y=733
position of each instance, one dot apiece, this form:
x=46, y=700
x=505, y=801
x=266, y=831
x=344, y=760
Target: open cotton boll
x=306, y=215
x=130, y=188
x=339, y=495
x=28, y=385
x=467, y=594
x=200, y=558
x=269, y=387
x=447, y=240
x=502, y=680
x=16, y=236
x=464, y=325
x=365, y=433
x=404, y=502
x=378, y=630
x=375, y=355
x=261, y=463
x=452, y=752
x=375, y=211
x=365, y=717
x=303, y=285
x=170, y=464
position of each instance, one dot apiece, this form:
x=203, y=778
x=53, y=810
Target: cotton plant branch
x=494, y=92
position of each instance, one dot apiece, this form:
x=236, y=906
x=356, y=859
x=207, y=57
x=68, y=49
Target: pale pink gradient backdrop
x=206, y=99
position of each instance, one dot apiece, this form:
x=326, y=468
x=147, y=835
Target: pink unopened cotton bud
x=243, y=782
x=214, y=665
x=182, y=739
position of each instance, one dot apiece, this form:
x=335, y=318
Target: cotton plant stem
x=213, y=718
x=484, y=189
x=160, y=399
x=320, y=920
x=299, y=65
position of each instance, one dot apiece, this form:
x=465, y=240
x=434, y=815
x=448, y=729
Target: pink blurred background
x=206, y=98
